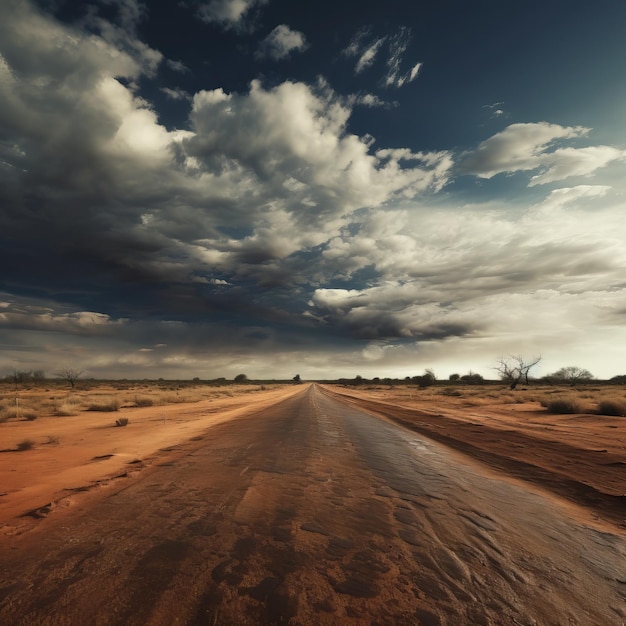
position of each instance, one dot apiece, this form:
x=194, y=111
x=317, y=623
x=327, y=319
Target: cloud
x=566, y=162
x=533, y=146
x=559, y=198
x=24, y=316
x=130, y=12
x=282, y=42
x=368, y=55
x=415, y=70
x=121, y=31
x=398, y=45
x=293, y=134
x=252, y=189
x=228, y=13
x=356, y=45
x=390, y=311
x=496, y=110
x=177, y=66
x=368, y=48
x=372, y=100
x=213, y=240
x=452, y=273
x=46, y=336
x=175, y=94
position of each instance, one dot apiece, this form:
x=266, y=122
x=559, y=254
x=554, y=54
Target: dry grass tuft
x=13, y=412
x=449, y=391
x=26, y=444
x=105, y=405
x=65, y=409
x=144, y=401
x=564, y=405
x=612, y=406
x=171, y=398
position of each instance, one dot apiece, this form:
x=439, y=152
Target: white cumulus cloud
x=534, y=146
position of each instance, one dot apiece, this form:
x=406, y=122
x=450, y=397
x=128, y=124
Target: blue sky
x=205, y=188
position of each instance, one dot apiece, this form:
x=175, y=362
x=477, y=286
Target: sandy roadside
x=581, y=457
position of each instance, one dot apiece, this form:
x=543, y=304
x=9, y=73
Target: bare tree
x=515, y=368
x=70, y=375
x=15, y=377
x=20, y=377
x=571, y=374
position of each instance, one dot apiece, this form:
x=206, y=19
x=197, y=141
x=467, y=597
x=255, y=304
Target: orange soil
x=77, y=453
x=581, y=457
x=252, y=510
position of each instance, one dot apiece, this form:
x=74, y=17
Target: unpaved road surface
x=315, y=512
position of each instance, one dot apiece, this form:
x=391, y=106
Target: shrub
x=13, y=412
x=472, y=379
x=121, y=421
x=170, y=398
x=65, y=410
x=112, y=404
x=26, y=444
x=144, y=401
x=564, y=405
x=616, y=407
x=451, y=392
x=509, y=398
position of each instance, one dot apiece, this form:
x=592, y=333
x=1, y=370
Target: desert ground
x=303, y=504
x=580, y=456
x=74, y=445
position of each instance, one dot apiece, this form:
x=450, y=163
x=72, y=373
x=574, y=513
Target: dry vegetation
x=592, y=399
x=71, y=447
x=56, y=398
x=569, y=439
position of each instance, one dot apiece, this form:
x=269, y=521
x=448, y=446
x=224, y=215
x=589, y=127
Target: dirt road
x=314, y=512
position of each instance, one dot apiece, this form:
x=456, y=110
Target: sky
x=204, y=188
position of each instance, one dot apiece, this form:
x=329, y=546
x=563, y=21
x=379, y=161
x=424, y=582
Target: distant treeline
x=428, y=379
x=465, y=379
